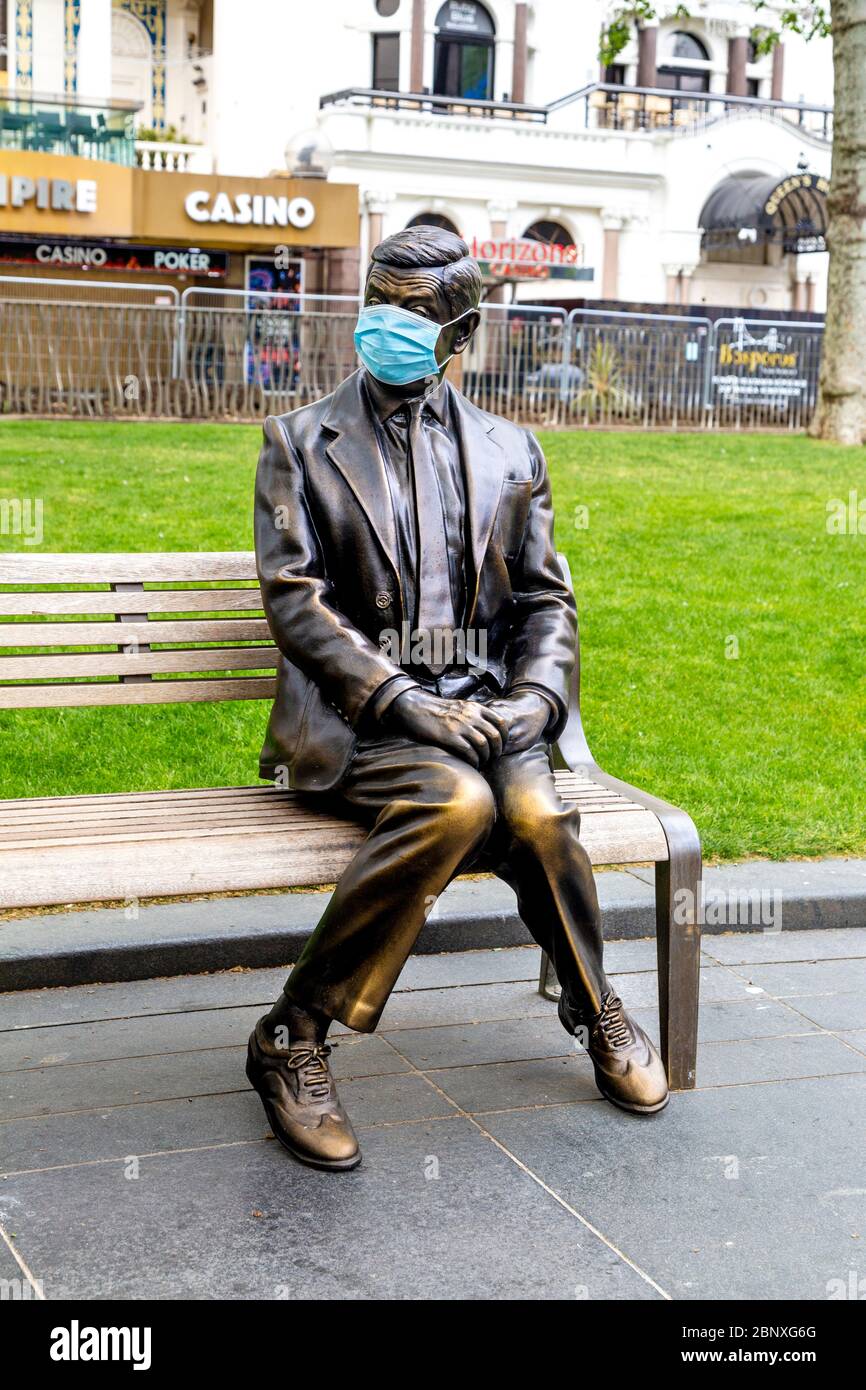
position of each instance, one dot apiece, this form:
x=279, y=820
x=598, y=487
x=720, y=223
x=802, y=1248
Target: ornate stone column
x=778, y=79
x=647, y=55
x=416, y=66
x=612, y=223
x=678, y=280
x=738, y=54
x=518, y=67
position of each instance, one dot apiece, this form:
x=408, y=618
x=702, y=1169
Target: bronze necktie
x=435, y=604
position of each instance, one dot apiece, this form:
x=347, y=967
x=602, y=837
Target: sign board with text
x=523, y=258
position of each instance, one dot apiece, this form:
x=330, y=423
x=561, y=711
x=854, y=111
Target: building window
x=614, y=73
x=463, y=52
x=753, y=87
x=387, y=7
x=551, y=233
x=4, y=20
x=386, y=62
x=433, y=219
x=692, y=72
x=682, y=45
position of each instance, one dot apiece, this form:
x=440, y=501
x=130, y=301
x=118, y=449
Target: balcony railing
x=602, y=106
x=613, y=107
x=173, y=156
x=371, y=97
x=53, y=125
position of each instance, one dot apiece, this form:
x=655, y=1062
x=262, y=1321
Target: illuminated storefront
x=70, y=217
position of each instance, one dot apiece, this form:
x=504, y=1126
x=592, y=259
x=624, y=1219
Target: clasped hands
x=475, y=732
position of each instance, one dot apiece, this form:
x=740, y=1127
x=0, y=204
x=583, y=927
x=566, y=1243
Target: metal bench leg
x=678, y=943
x=548, y=985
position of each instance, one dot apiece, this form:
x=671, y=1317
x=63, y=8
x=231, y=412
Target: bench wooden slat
x=24, y=567
x=189, y=825
x=82, y=664
x=94, y=601
x=70, y=804
x=77, y=634
x=177, y=862
x=174, y=808
x=153, y=693
x=201, y=794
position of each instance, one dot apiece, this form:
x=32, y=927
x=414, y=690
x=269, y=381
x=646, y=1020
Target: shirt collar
x=386, y=401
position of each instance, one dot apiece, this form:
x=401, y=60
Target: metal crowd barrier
x=242, y=355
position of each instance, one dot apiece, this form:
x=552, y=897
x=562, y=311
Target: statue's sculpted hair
x=416, y=248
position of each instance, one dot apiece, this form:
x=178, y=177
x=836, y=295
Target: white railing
x=173, y=157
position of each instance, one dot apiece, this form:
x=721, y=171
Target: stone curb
x=105, y=945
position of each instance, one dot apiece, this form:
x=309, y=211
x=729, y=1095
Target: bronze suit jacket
x=326, y=556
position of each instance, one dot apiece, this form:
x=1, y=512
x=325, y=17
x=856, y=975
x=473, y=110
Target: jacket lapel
x=484, y=470
x=354, y=451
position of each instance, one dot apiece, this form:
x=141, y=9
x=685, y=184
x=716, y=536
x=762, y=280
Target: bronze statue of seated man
x=406, y=554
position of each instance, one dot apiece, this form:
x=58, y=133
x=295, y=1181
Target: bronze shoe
x=302, y=1105
x=628, y=1069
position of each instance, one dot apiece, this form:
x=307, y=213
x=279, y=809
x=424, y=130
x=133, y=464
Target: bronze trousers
x=431, y=817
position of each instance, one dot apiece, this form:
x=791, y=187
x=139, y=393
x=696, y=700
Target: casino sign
x=57, y=253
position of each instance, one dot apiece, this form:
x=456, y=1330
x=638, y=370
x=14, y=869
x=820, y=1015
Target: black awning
x=745, y=209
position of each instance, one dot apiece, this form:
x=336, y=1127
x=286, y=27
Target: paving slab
x=724, y=1195
x=136, y=1080
x=774, y=1059
x=857, y=1038
x=165, y=1077
x=117, y=1132
x=435, y=1212
x=740, y=948
x=807, y=977
x=512, y=1085
x=717, y=982
x=137, y=998
x=728, y=1020
x=470, y=1004
x=474, y=1044
x=833, y=1011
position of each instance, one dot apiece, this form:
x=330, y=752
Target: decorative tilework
x=24, y=45
x=151, y=13
x=71, y=26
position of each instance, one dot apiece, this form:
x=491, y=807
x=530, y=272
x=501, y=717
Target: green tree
x=840, y=414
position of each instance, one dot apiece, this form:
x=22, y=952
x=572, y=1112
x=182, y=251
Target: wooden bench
x=150, y=618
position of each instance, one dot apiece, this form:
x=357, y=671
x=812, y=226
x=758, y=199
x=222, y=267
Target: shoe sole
x=634, y=1109
x=324, y=1165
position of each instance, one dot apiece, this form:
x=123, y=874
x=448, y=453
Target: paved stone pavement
x=136, y=1162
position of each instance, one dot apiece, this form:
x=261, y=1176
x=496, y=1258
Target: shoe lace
x=310, y=1061
x=612, y=1022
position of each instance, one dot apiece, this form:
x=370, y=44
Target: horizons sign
x=525, y=258
x=244, y=209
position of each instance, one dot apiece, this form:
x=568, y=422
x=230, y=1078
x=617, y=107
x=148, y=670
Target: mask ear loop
x=442, y=365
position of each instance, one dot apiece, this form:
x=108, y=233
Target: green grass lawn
x=723, y=628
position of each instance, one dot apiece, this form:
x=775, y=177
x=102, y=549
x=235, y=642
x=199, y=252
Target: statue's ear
x=465, y=328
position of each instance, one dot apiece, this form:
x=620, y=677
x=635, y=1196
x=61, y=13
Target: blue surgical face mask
x=397, y=346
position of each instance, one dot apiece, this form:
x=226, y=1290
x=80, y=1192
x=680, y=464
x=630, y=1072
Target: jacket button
x=383, y=600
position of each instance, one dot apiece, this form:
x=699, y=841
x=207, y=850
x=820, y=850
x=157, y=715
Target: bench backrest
x=132, y=629
x=154, y=629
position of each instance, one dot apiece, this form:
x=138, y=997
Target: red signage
x=523, y=257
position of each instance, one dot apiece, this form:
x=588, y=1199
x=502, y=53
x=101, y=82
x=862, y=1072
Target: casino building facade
x=269, y=145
